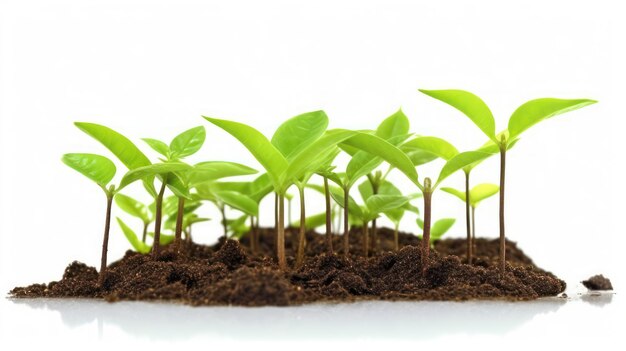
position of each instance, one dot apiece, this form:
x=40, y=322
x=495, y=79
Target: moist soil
x=598, y=282
x=228, y=273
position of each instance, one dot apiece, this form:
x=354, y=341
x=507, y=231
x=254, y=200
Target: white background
x=151, y=68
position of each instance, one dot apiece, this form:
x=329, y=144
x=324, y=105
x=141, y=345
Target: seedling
x=478, y=193
x=306, y=153
x=524, y=117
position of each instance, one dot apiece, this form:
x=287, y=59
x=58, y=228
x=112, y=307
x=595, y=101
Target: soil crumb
x=598, y=282
x=227, y=273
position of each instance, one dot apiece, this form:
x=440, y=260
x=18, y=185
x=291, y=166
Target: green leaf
x=535, y=111
x=419, y=157
x=353, y=208
x=237, y=227
x=130, y=235
x=361, y=164
x=434, y=145
x=158, y=146
x=188, y=142
x=165, y=239
x=471, y=105
x=262, y=149
x=440, y=228
x=119, y=145
x=393, y=126
x=458, y=193
x=377, y=204
x=481, y=192
x=239, y=201
x=298, y=132
x=366, y=190
x=213, y=170
x=177, y=185
x=381, y=148
x=420, y=223
x=133, y=207
x=152, y=170
x=312, y=222
x=460, y=161
x=301, y=163
x=95, y=167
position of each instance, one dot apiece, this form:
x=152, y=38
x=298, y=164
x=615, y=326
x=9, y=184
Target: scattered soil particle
x=598, y=282
x=228, y=274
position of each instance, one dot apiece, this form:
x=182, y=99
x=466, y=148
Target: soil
x=229, y=274
x=598, y=282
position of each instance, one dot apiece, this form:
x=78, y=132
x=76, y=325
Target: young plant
x=307, y=144
x=101, y=170
x=524, y=117
x=478, y=193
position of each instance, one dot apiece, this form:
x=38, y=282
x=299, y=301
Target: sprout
x=478, y=193
x=524, y=117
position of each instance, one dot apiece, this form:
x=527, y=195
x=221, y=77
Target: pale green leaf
x=165, y=239
x=95, y=167
x=152, y=170
x=393, y=126
x=440, y=228
x=130, y=235
x=471, y=105
x=188, y=142
x=312, y=222
x=377, y=204
x=262, y=149
x=433, y=145
x=460, y=161
x=133, y=207
x=481, y=192
x=158, y=146
x=239, y=202
x=213, y=170
x=535, y=111
x=353, y=208
x=298, y=132
x=458, y=193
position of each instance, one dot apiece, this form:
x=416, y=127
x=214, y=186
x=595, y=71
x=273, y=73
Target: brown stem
x=105, y=240
x=374, y=229
x=467, y=220
x=346, y=229
x=224, y=223
x=252, y=236
x=502, y=236
x=366, y=239
x=179, y=222
x=395, y=238
x=329, y=234
x=300, y=254
x=145, y=232
x=157, y=222
x=473, y=230
x=426, y=238
x=276, y=222
x=280, y=234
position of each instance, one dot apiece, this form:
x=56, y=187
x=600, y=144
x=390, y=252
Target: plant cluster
x=302, y=148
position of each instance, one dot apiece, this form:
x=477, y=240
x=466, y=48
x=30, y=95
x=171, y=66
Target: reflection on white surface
x=375, y=319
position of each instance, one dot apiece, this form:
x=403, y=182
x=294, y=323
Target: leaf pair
x=184, y=144
x=478, y=193
x=438, y=229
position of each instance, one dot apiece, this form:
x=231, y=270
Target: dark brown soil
x=228, y=274
x=598, y=282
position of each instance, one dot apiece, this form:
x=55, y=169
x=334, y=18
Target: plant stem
x=426, y=237
x=289, y=213
x=280, y=233
x=224, y=223
x=395, y=238
x=502, y=236
x=179, y=222
x=157, y=222
x=276, y=222
x=145, y=232
x=366, y=239
x=473, y=229
x=469, y=242
x=300, y=254
x=374, y=231
x=105, y=240
x=329, y=234
x=346, y=228
x=252, y=236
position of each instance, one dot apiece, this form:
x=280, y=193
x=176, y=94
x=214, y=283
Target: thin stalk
x=276, y=222
x=280, y=233
x=366, y=239
x=300, y=253
x=188, y=238
x=374, y=229
x=469, y=242
x=502, y=236
x=473, y=229
x=145, y=231
x=346, y=229
x=252, y=236
x=329, y=234
x=157, y=222
x=179, y=222
x=256, y=233
x=289, y=213
x=105, y=239
x=426, y=237
x=396, y=244
x=224, y=223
